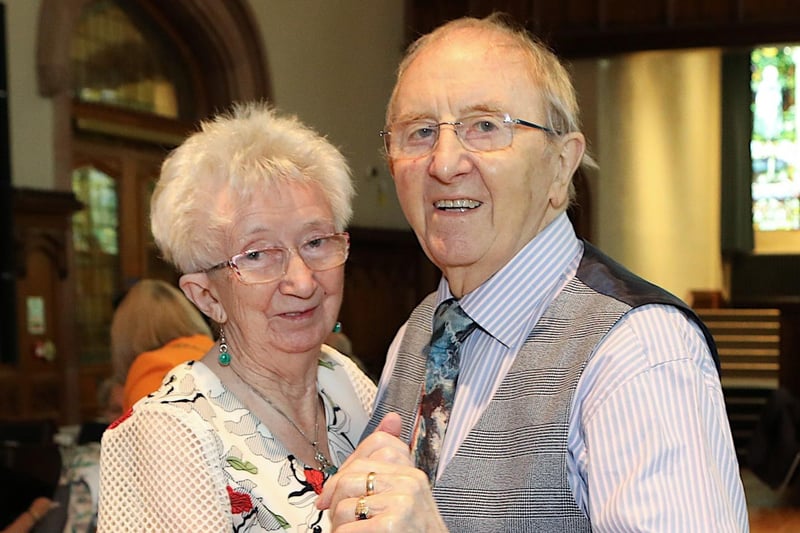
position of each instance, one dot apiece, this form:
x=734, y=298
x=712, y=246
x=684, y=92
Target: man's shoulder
x=606, y=276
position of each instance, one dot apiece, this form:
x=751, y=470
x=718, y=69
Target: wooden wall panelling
x=594, y=28
x=39, y=377
x=692, y=12
x=387, y=275
x=89, y=381
x=767, y=11
x=621, y=14
x=42, y=378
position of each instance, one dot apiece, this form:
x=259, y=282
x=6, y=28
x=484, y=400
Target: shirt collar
x=504, y=304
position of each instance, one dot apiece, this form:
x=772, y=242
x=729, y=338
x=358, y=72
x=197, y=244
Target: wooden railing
x=749, y=344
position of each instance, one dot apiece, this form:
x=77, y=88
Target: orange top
x=149, y=368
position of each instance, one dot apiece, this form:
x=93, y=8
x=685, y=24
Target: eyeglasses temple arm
x=535, y=126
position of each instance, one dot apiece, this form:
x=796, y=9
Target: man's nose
x=447, y=157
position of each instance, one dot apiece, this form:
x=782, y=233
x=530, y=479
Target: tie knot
x=451, y=323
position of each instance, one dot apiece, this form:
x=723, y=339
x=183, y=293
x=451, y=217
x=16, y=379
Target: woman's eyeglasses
x=269, y=264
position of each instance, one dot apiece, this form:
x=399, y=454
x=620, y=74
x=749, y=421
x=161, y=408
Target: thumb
x=391, y=424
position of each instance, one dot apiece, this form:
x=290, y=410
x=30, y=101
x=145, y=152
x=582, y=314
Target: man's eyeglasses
x=477, y=133
x=269, y=264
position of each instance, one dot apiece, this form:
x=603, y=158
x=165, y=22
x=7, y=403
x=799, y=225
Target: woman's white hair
x=247, y=149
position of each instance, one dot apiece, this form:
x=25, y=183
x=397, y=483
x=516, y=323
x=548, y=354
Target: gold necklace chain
x=324, y=465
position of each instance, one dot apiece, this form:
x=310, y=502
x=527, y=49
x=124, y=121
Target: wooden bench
x=748, y=341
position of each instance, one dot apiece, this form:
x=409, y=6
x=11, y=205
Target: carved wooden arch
x=101, y=164
x=221, y=38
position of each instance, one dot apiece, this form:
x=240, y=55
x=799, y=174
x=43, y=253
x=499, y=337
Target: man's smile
x=460, y=204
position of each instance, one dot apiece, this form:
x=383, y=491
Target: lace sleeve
x=159, y=471
x=363, y=386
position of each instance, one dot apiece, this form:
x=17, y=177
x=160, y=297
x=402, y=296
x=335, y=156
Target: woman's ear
x=197, y=288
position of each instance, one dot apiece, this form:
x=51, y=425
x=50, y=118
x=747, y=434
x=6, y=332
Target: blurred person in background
x=154, y=328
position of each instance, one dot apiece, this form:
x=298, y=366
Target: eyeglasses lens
x=269, y=264
x=479, y=133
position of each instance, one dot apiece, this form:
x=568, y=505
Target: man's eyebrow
x=414, y=117
x=479, y=109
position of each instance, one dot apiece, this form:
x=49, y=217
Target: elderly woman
x=252, y=210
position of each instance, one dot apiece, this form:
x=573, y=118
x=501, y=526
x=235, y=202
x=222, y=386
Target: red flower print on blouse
x=315, y=478
x=240, y=501
x=121, y=419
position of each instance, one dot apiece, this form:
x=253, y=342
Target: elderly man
x=585, y=398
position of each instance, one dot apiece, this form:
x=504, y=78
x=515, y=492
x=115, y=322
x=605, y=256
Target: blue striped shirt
x=649, y=445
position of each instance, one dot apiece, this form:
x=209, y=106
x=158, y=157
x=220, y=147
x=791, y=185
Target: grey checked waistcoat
x=510, y=473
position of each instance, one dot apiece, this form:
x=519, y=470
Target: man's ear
x=197, y=288
x=571, y=148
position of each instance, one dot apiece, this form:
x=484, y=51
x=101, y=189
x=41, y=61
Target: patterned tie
x=450, y=327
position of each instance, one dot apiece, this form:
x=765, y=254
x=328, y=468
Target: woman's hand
x=401, y=499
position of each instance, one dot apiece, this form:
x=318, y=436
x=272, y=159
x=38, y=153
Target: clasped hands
x=378, y=488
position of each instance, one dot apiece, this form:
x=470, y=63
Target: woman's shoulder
x=186, y=398
x=337, y=370
x=183, y=385
x=333, y=361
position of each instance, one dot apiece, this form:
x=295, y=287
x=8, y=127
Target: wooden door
x=105, y=270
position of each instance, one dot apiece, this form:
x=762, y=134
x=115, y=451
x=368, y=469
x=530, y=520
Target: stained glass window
x=117, y=62
x=95, y=227
x=775, y=145
x=94, y=230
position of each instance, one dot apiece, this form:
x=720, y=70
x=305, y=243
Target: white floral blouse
x=191, y=457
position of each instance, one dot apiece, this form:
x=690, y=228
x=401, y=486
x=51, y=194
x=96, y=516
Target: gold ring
x=362, y=509
x=371, y=483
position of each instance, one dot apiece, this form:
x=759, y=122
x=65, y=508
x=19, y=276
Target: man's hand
x=401, y=499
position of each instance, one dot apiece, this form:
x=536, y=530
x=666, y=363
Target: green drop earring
x=337, y=328
x=224, y=357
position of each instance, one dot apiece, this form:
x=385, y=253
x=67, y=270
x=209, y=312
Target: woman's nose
x=299, y=278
